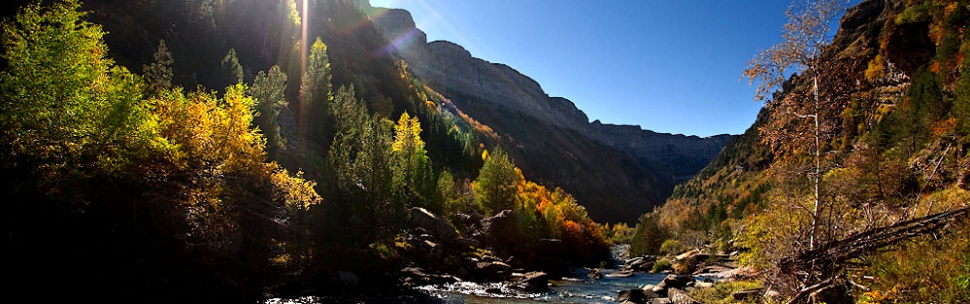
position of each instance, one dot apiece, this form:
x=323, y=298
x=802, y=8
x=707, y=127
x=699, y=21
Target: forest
x=130, y=180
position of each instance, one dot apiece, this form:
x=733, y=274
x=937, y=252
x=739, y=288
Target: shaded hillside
x=894, y=145
x=615, y=170
x=162, y=169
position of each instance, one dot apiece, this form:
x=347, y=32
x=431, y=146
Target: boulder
x=348, y=278
x=678, y=296
x=675, y=281
x=514, y=261
x=422, y=218
x=631, y=296
x=498, y=227
x=620, y=274
x=661, y=301
x=636, y=296
x=466, y=242
x=595, y=274
x=690, y=260
x=465, y=222
x=534, y=282
x=640, y=263
x=685, y=255
x=418, y=276
x=704, y=284
x=452, y=261
x=493, y=271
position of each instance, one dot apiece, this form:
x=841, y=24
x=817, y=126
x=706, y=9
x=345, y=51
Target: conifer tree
x=159, y=73
x=270, y=91
x=495, y=187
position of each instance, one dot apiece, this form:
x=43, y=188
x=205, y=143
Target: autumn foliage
x=132, y=181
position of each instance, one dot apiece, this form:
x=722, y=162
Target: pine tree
x=269, y=89
x=495, y=188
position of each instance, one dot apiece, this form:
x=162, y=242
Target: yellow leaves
x=207, y=130
x=292, y=14
x=876, y=69
x=294, y=191
x=407, y=134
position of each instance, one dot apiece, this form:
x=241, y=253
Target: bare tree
x=804, y=37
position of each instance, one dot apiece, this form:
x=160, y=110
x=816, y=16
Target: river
x=576, y=287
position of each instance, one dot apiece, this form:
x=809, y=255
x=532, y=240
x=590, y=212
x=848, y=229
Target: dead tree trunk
x=820, y=268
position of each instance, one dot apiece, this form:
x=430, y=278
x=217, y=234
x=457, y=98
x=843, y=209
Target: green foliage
x=961, y=104
x=649, y=237
x=315, y=92
x=924, y=271
x=159, y=73
x=315, y=85
x=176, y=177
x=269, y=89
x=232, y=67
x=661, y=265
x=911, y=125
x=182, y=175
x=914, y=14
x=360, y=158
x=619, y=233
x=721, y=292
x=413, y=169
x=671, y=247
x=65, y=104
x=495, y=188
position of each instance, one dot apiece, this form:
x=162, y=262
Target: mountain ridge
x=652, y=162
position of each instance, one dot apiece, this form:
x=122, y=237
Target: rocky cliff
x=679, y=156
x=599, y=163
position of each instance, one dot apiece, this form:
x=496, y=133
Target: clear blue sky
x=667, y=66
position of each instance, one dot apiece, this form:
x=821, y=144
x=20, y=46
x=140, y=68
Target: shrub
x=661, y=265
x=671, y=247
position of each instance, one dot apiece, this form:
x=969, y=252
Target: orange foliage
x=481, y=128
x=945, y=127
x=572, y=230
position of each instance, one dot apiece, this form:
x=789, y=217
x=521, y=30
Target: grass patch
x=721, y=292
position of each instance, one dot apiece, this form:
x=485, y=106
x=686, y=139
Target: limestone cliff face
x=449, y=65
x=680, y=157
x=549, y=137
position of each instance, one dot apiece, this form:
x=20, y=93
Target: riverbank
x=631, y=281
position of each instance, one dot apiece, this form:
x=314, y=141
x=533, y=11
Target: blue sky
x=667, y=66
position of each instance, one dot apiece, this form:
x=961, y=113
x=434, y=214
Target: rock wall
x=649, y=163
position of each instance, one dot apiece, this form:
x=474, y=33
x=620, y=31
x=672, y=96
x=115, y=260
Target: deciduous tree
x=803, y=41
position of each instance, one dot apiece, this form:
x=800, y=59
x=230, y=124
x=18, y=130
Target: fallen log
x=820, y=267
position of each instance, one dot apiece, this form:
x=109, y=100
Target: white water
x=578, y=289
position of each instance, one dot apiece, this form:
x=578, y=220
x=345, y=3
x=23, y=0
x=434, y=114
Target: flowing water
x=576, y=288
